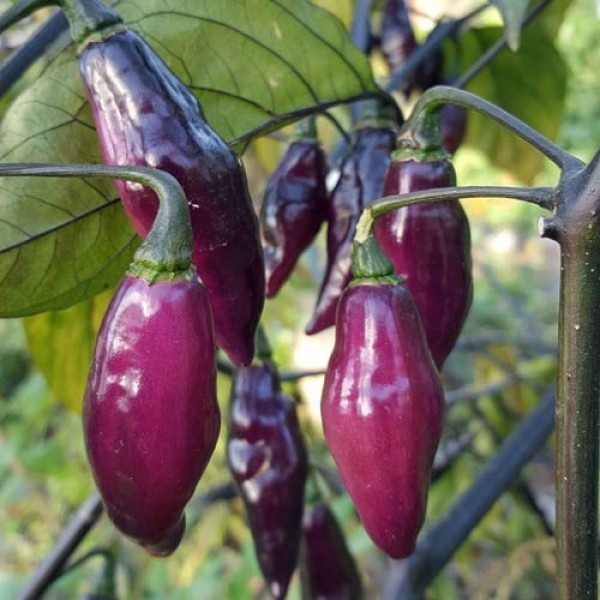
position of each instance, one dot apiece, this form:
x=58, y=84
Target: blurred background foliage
x=505, y=357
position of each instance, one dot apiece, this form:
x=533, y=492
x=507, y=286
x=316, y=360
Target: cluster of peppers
x=200, y=283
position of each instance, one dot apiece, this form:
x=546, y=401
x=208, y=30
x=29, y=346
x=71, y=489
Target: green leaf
x=530, y=84
x=255, y=65
x=62, y=344
x=513, y=12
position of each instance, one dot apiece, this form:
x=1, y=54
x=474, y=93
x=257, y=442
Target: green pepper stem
x=447, y=95
x=544, y=197
x=168, y=245
x=22, y=9
x=87, y=17
x=261, y=343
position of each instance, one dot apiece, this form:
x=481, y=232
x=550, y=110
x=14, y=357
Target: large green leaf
x=254, y=65
x=530, y=84
x=62, y=344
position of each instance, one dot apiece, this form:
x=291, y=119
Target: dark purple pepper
x=397, y=38
x=293, y=209
x=361, y=182
x=327, y=569
x=430, y=245
x=145, y=116
x=268, y=461
x=150, y=415
x=382, y=409
x=453, y=125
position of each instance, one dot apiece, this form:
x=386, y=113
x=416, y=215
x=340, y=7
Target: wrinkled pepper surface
x=268, y=461
x=293, y=208
x=382, y=407
x=430, y=245
x=361, y=181
x=145, y=115
x=327, y=569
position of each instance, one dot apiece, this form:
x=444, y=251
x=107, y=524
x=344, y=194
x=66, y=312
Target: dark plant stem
x=576, y=227
x=440, y=95
x=409, y=578
x=422, y=53
x=486, y=58
x=75, y=531
x=22, y=58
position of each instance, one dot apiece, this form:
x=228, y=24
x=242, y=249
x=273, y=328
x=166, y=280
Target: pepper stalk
x=167, y=250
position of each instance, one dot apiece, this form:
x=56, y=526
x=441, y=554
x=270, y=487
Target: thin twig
x=75, y=531
x=495, y=49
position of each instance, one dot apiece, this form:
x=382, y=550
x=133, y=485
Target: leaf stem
x=541, y=196
x=439, y=95
x=168, y=245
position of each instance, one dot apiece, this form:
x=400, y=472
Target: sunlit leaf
x=62, y=344
x=254, y=65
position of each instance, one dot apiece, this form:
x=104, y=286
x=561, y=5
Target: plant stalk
x=576, y=227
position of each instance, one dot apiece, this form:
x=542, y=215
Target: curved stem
x=541, y=196
x=440, y=95
x=22, y=9
x=168, y=245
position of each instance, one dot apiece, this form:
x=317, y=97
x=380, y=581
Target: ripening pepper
x=150, y=413
x=454, y=126
x=382, y=405
x=293, y=207
x=429, y=244
x=397, y=38
x=361, y=181
x=268, y=461
x=145, y=115
x=327, y=569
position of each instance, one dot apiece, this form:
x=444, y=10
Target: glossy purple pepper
x=144, y=115
x=293, y=209
x=430, y=245
x=397, y=38
x=382, y=409
x=150, y=415
x=361, y=181
x=268, y=461
x=327, y=569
